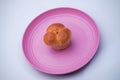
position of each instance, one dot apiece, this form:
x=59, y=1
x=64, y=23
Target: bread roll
x=57, y=36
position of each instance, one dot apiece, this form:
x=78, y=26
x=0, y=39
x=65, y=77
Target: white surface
x=15, y=15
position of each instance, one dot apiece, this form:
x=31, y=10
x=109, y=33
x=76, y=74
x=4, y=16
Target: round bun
x=57, y=36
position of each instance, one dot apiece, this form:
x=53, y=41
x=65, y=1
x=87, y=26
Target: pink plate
x=84, y=43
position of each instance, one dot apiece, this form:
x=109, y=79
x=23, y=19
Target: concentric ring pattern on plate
x=84, y=42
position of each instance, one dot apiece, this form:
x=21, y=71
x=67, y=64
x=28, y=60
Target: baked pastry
x=57, y=36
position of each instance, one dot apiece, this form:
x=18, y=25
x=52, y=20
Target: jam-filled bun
x=57, y=36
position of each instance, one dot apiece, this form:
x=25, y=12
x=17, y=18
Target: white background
x=15, y=15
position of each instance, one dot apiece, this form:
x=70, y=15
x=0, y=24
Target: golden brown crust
x=49, y=38
x=55, y=27
x=57, y=36
x=64, y=35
